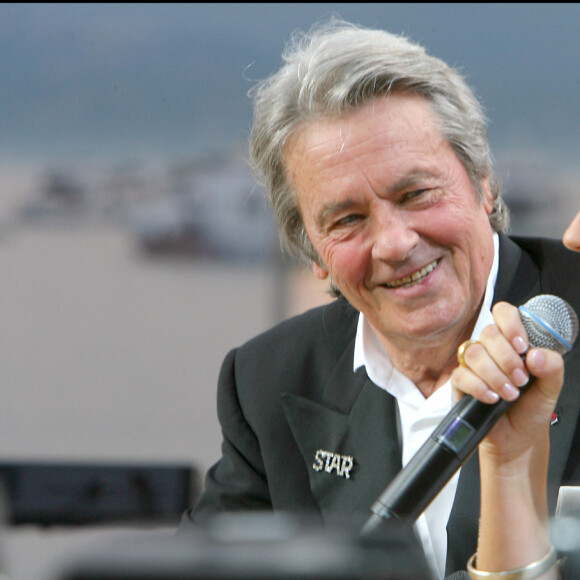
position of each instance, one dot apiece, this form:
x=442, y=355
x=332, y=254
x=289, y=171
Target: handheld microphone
x=551, y=323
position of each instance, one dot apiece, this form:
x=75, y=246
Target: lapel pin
x=333, y=462
x=554, y=418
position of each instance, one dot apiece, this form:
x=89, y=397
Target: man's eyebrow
x=410, y=180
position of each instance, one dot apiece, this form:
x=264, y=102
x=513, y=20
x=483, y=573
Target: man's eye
x=349, y=219
x=414, y=193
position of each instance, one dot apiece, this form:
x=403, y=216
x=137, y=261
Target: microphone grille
x=550, y=322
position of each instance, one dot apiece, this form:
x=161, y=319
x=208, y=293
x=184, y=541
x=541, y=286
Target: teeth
x=414, y=278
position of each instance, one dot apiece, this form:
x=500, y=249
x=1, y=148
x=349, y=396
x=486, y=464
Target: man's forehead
x=389, y=121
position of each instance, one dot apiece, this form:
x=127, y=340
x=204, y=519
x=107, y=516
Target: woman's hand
x=495, y=368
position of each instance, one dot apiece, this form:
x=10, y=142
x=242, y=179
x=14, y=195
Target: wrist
x=518, y=462
x=514, y=509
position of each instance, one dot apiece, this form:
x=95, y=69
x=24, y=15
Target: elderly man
x=375, y=159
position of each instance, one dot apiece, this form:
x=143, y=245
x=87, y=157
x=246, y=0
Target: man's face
x=393, y=215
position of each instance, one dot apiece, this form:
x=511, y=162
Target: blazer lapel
x=348, y=441
x=518, y=277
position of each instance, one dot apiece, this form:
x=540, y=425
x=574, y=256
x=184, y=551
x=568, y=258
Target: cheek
x=469, y=237
x=457, y=224
x=347, y=262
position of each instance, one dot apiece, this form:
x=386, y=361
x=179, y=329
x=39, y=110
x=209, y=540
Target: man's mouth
x=415, y=278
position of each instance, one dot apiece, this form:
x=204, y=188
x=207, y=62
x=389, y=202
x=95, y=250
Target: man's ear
x=488, y=201
x=319, y=271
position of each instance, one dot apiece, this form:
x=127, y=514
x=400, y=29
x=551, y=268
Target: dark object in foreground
x=94, y=493
x=259, y=546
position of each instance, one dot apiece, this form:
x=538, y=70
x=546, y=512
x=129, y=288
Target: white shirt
x=419, y=416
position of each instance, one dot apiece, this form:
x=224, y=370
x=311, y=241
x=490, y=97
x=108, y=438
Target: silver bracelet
x=529, y=572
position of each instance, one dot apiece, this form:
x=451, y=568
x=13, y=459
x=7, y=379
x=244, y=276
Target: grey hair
x=338, y=67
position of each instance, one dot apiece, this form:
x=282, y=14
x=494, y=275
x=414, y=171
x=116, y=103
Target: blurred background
x=135, y=246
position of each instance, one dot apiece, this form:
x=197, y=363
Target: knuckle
x=481, y=390
x=489, y=333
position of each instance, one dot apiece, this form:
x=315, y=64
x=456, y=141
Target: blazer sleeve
x=237, y=482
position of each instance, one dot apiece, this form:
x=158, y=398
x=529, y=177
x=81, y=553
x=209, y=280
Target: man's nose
x=394, y=235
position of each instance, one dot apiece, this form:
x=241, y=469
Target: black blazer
x=303, y=433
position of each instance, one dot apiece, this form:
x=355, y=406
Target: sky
x=138, y=80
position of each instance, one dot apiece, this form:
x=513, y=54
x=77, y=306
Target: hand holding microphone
x=527, y=341
x=490, y=375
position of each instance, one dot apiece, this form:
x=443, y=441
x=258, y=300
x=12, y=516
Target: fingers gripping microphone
x=550, y=322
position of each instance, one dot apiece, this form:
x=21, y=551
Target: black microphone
x=550, y=322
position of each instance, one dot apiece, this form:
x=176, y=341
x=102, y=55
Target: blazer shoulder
x=331, y=324
x=559, y=267
x=300, y=353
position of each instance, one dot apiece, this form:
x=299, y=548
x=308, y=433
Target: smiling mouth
x=416, y=278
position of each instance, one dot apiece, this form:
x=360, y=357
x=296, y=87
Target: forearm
x=514, y=524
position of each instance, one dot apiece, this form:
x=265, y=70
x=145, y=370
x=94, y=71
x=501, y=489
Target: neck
x=428, y=371
x=428, y=364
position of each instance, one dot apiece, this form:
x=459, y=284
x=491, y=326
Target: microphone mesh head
x=550, y=322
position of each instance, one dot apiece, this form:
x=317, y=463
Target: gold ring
x=461, y=351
